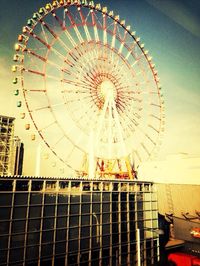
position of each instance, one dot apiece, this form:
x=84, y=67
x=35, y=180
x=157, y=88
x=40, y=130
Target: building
x=47, y=221
x=6, y=145
x=19, y=156
x=11, y=148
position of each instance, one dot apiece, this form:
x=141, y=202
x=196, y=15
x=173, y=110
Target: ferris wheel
x=89, y=86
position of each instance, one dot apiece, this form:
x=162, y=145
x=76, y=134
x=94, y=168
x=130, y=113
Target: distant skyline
x=170, y=31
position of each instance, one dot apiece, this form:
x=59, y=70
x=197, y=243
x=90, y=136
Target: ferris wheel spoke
x=117, y=33
x=75, y=83
x=151, y=140
x=87, y=33
x=121, y=48
x=89, y=122
x=46, y=127
x=116, y=70
x=94, y=54
x=97, y=20
x=124, y=38
x=92, y=121
x=48, y=28
x=58, y=141
x=63, y=44
x=73, y=101
x=70, y=153
x=121, y=104
x=73, y=23
x=34, y=90
x=152, y=127
x=122, y=43
x=156, y=117
x=116, y=64
x=31, y=52
x=86, y=112
x=53, y=77
x=132, y=127
x=146, y=135
x=76, y=146
x=89, y=78
x=74, y=91
x=64, y=29
x=114, y=35
x=46, y=107
x=133, y=91
x=60, y=22
x=131, y=119
x=58, y=67
x=39, y=109
x=127, y=90
x=137, y=115
x=44, y=42
x=44, y=33
x=145, y=149
x=130, y=97
x=56, y=52
x=83, y=19
x=138, y=155
x=94, y=24
x=156, y=105
x=130, y=50
x=68, y=35
x=69, y=63
x=57, y=104
x=104, y=29
x=85, y=64
x=119, y=128
x=88, y=61
x=136, y=62
x=35, y=72
x=73, y=56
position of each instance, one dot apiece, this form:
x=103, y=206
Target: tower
x=6, y=144
x=19, y=156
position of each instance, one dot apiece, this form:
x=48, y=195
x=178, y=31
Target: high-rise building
x=11, y=148
x=6, y=145
x=19, y=156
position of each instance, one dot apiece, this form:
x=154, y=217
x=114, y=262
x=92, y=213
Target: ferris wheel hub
x=108, y=89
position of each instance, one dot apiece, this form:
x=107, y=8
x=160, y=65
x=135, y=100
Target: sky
x=170, y=30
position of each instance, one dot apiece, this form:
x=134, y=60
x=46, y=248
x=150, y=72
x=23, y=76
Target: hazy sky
x=170, y=30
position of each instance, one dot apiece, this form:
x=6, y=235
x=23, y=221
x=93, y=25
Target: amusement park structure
x=90, y=88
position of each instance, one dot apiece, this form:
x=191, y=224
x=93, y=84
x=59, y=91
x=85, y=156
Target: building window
x=6, y=185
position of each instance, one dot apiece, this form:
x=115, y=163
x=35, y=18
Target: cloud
x=178, y=12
